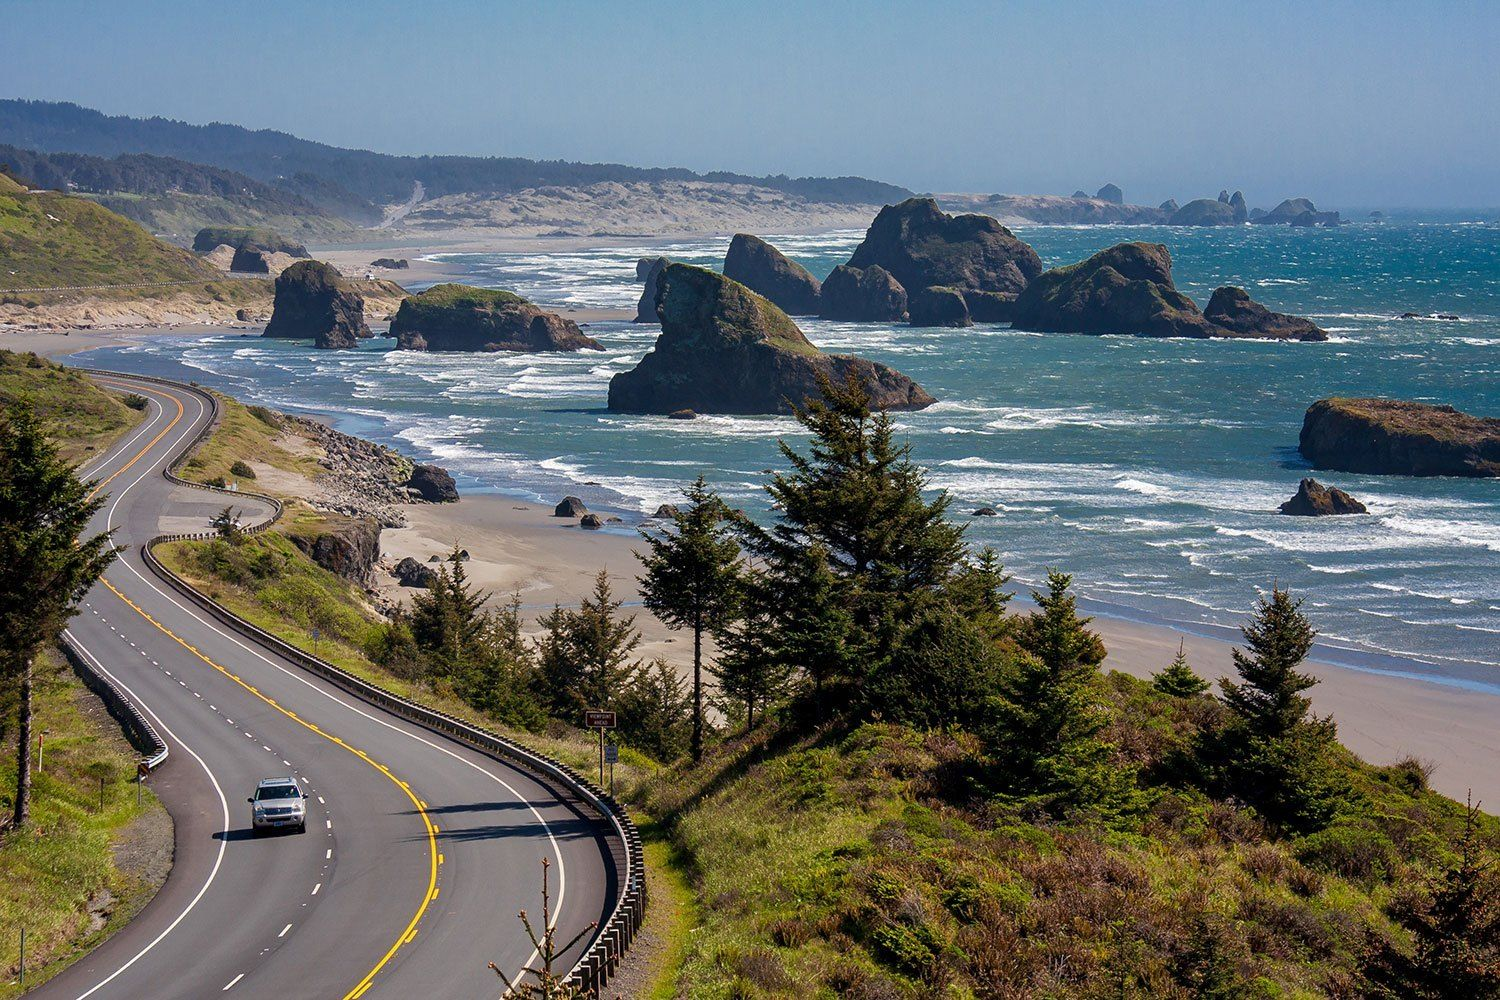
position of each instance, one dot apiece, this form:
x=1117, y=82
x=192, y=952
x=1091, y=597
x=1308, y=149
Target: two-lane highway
x=419, y=850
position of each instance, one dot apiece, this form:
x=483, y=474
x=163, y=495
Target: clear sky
x=1351, y=103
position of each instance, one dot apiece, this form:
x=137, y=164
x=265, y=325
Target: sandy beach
x=520, y=547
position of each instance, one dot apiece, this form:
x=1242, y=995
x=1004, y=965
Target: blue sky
x=1353, y=104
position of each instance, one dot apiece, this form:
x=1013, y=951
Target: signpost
x=142, y=772
x=611, y=757
x=600, y=720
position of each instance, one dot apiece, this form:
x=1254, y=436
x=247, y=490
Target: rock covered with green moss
x=725, y=349
x=923, y=246
x=1128, y=288
x=454, y=317
x=767, y=271
x=314, y=301
x=1397, y=437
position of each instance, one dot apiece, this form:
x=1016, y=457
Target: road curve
x=419, y=849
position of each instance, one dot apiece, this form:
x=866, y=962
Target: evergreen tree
x=814, y=631
x=1268, y=700
x=448, y=622
x=1273, y=755
x=584, y=655
x=46, y=566
x=1456, y=934
x=1178, y=679
x=693, y=580
x=656, y=712
x=1045, y=728
x=751, y=673
x=226, y=525
x=501, y=679
x=977, y=591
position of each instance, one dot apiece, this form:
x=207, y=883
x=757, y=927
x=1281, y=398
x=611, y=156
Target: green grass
x=52, y=870
x=244, y=434
x=76, y=413
x=49, y=239
x=858, y=864
x=673, y=913
x=451, y=295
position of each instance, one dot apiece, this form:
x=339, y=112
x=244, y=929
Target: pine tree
x=501, y=679
x=584, y=655
x=814, y=631
x=1456, y=934
x=751, y=674
x=978, y=592
x=1178, y=679
x=46, y=566
x=693, y=580
x=448, y=622
x=656, y=713
x=1045, y=728
x=1268, y=699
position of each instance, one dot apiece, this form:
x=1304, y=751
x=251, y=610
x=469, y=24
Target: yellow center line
x=140, y=454
x=410, y=931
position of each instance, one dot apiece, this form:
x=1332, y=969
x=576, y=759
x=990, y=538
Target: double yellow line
x=410, y=932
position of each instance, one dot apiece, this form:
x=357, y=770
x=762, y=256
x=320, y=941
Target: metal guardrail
x=142, y=735
x=598, y=965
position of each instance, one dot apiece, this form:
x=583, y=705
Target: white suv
x=278, y=803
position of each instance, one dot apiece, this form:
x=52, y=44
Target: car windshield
x=275, y=792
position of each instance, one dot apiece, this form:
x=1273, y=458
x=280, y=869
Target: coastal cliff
x=1396, y=437
x=725, y=349
x=455, y=317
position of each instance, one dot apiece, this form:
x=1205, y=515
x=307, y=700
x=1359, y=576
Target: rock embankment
x=453, y=317
x=1313, y=499
x=1128, y=288
x=314, y=301
x=364, y=479
x=725, y=349
x=767, y=271
x=1396, y=437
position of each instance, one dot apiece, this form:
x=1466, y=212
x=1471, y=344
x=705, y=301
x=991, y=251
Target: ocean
x=1149, y=469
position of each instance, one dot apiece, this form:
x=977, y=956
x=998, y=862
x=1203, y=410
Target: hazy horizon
x=1347, y=104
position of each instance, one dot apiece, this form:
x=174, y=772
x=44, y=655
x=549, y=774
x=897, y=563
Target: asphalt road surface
x=418, y=853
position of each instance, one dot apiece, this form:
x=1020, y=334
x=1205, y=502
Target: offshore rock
x=938, y=306
x=648, y=269
x=313, y=300
x=921, y=246
x=862, y=295
x=990, y=307
x=1112, y=194
x=1313, y=499
x=765, y=270
x=1233, y=309
x=463, y=318
x=1204, y=212
x=1395, y=437
x=725, y=349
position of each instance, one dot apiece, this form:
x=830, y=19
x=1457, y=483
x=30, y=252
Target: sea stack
x=1128, y=289
x=862, y=295
x=647, y=270
x=1313, y=499
x=767, y=271
x=454, y=317
x=1400, y=438
x=313, y=300
x=725, y=349
x=922, y=246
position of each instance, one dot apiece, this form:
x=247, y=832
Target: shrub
x=241, y=470
x=135, y=402
x=1351, y=851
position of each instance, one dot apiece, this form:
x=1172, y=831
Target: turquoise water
x=1150, y=469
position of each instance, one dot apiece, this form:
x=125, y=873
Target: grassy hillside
x=173, y=197
x=858, y=865
x=49, y=239
x=76, y=413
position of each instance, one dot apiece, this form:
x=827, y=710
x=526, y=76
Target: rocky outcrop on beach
x=862, y=295
x=1297, y=212
x=241, y=237
x=391, y=263
x=361, y=478
x=1204, y=212
x=254, y=260
x=938, y=306
x=345, y=546
x=1233, y=309
x=922, y=246
x=1313, y=499
x=1112, y=194
x=454, y=317
x=725, y=349
x=1128, y=288
x=570, y=506
x=432, y=483
x=767, y=271
x=410, y=573
x=1401, y=438
x=648, y=270
x=314, y=301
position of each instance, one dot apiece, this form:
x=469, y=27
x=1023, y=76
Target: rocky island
x=862, y=295
x=454, y=317
x=922, y=246
x=314, y=301
x=725, y=349
x=1128, y=288
x=1313, y=499
x=767, y=271
x=1396, y=437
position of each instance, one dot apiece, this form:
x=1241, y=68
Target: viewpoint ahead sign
x=598, y=720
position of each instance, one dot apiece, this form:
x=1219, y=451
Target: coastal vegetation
x=74, y=413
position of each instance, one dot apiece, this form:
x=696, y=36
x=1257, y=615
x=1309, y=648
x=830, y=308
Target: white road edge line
x=230, y=985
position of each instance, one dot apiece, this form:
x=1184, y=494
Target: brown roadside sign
x=143, y=770
x=598, y=720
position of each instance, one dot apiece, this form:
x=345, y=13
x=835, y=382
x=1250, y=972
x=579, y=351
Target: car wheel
x=302, y=827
